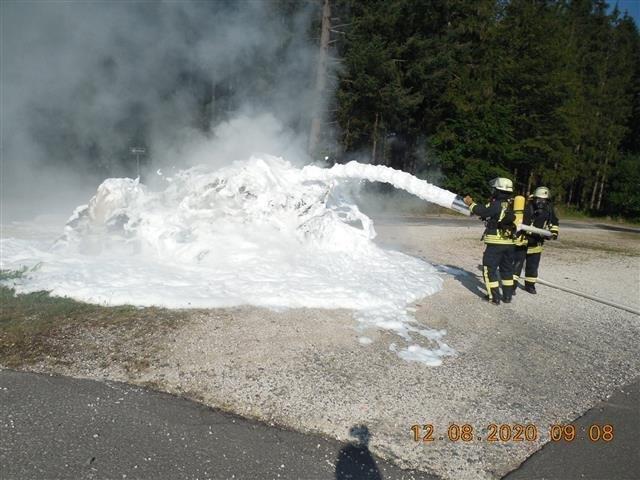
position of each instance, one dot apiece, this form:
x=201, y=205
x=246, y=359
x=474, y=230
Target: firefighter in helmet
x=539, y=213
x=497, y=260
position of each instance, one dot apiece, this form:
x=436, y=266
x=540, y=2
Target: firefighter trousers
x=519, y=257
x=531, y=268
x=497, y=264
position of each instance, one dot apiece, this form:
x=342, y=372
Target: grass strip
x=36, y=326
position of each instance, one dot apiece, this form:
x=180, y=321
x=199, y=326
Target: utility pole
x=321, y=79
x=137, y=151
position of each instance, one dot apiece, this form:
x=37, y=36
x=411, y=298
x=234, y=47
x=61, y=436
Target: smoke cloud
x=190, y=81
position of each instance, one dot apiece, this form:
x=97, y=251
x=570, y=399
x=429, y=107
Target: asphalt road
x=591, y=457
x=65, y=428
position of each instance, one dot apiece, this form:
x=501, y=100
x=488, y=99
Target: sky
x=632, y=7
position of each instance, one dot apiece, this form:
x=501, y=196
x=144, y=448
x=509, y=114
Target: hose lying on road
x=590, y=297
x=575, y=292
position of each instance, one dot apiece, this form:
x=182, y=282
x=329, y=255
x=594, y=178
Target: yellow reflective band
x=485, y=274
x=554, y=228
x=537, y=249
x=516, y=277
x=494, y=284
x=473, y=204
x=498, y=239
x=507, y=283
x=503, y=211
x=491, y=241
x=531, y=279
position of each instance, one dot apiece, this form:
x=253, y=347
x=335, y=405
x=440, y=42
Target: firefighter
x=539, y=212
x=498, y=237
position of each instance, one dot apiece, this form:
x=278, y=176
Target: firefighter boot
x=495, y=296
x=507, y=293
x=530, y=287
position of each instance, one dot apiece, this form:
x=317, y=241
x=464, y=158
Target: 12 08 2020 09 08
x=511, y=432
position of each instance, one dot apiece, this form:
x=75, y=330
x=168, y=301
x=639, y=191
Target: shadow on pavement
x=67, y=428
x=466, y=278
x=355, y=461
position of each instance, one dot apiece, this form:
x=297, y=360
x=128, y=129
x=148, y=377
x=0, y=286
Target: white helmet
x=541, y=192
x=501, y=183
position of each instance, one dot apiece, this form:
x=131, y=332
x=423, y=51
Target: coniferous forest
x=545, y=92
x=541, y=91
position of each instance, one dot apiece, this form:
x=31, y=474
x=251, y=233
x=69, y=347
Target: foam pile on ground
x=259, y=232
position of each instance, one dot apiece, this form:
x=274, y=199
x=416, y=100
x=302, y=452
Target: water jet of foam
x=397, y=178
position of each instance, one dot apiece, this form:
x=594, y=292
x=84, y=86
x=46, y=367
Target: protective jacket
x=499, y=218
x=542, y=217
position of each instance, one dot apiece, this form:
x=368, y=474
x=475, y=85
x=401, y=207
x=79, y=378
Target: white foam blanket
x=258, y=232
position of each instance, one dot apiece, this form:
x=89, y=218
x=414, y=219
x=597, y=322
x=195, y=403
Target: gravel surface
x=542, y=360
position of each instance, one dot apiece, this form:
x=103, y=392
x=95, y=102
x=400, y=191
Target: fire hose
x=518, y=206
x=439, y=196
x=590, y=297
x=458, y=205
x=531, y=229
x=581, y=294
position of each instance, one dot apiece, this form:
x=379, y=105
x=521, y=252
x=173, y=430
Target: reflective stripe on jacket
x=495, y=212
x=545, y=218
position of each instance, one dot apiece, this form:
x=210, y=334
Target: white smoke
x=82, y=82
